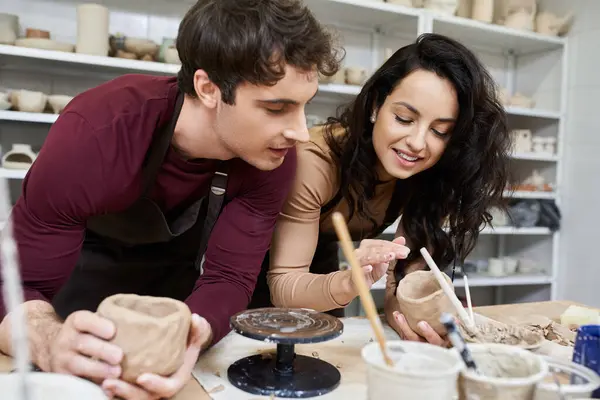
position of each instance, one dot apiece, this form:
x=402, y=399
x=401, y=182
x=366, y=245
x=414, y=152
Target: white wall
x=579, y=269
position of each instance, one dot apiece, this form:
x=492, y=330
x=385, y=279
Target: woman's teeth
x=407, y=158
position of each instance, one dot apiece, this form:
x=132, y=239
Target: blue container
x=587, y=350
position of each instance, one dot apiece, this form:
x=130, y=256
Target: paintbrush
x=359, y=281
x=458, y=341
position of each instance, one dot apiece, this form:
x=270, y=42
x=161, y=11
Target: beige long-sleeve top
x=296, y=234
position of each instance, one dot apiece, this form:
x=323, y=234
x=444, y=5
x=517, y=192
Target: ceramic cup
x=496, y=267
x=51, y=386
x=420, y=371
x=505, y=372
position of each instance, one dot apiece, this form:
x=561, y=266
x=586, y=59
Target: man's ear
x=208, y=93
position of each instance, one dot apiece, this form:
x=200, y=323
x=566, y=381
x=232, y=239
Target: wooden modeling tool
x=447, y=289
x=359, y=280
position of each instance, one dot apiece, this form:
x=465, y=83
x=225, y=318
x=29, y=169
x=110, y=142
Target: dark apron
x=140, y=250
x=326, y=257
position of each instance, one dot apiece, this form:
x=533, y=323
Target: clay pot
x=9, y=28
x=151, y=331
x=58, y=102
x=421, y=298
x=92, y=29
x=37, y=34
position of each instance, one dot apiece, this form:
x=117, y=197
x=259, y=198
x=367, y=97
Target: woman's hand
x=374, y=255
x=427, y=333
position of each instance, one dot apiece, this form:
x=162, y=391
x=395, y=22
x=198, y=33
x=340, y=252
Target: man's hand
x=374, y=255
x=153, y=387
x=81, y=348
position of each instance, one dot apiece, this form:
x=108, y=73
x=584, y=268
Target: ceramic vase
x=92, y=29
x=152, y=331
x=421, y=298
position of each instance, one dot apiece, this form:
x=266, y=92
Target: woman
x=426, y=139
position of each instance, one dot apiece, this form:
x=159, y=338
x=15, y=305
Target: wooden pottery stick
x=446, y=288
x=359, y=280
x=468, y=294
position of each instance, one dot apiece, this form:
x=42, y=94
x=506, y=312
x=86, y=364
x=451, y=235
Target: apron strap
x=155, y=157
x=216, y=197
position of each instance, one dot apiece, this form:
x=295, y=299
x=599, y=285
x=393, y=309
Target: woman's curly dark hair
x=459, y=189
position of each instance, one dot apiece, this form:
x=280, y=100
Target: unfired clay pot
x=422, y=299
x=151, y=331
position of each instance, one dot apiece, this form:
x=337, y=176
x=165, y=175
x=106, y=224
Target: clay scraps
x=505, y=334
x=555, y=333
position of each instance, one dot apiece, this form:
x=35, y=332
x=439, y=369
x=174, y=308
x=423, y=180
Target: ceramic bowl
x=29, y=101
x=58, y=102
x=171, y=56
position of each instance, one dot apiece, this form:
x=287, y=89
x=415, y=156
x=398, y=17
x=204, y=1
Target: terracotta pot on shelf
x=37, y=34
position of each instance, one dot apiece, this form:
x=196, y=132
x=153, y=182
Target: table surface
x=511, y=313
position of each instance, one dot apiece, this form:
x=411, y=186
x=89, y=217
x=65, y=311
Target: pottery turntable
x=285, y=373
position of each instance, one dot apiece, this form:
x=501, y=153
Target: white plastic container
x=525, y=371
x=421, y=371
x=585, y=381
x=50, y=386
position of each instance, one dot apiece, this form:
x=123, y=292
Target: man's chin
x=266, y=164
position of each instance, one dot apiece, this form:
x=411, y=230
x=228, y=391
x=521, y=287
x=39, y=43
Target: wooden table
x=513, y=313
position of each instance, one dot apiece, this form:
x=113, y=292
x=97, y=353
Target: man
x=140, y=175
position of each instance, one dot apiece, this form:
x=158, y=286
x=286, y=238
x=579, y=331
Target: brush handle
x=359, y=281
x=458, y=341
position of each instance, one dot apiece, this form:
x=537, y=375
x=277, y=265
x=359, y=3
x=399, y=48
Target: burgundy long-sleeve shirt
x=91, y=163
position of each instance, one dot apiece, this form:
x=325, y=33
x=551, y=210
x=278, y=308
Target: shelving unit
x=517, y=59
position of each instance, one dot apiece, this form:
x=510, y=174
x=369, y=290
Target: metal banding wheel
x=287, y=374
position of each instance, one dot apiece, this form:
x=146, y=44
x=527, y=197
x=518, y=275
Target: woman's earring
x=373, y=117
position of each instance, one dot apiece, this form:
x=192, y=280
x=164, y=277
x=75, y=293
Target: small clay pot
x=37, y=33
x=151, y=331
x=422, y=299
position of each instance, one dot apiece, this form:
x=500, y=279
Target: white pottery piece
x=538, y=144
x=92, y=29
x=356, y=75
x=499, y=217
x=29, y=101
x=44, y=44
x=522, y=140
x=140, y=46
x=5, y=102
x=527, y=266
x=582, y=381
x=520, y=100
x=483, y=10
x=510, y=265
x=464, y=8
x=58, y=102
x=496, y=267
x=536, y=179
x=172, y=56
x=520, y=20
x=9, y=28
x=51, y=386
x=21, y=156
x=447, y=7
x=405, y=3
x=550, y=145
x=547, y=23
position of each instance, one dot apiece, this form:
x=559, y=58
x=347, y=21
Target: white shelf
x=13, y=173
x=494, y=37
x=489, y=281
x=500, y=230
x=535, y=157
x=366, y=14
x=88, y=60
x=530, y=195
x=28, y=117
x=351, y=90
x=533, y=112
